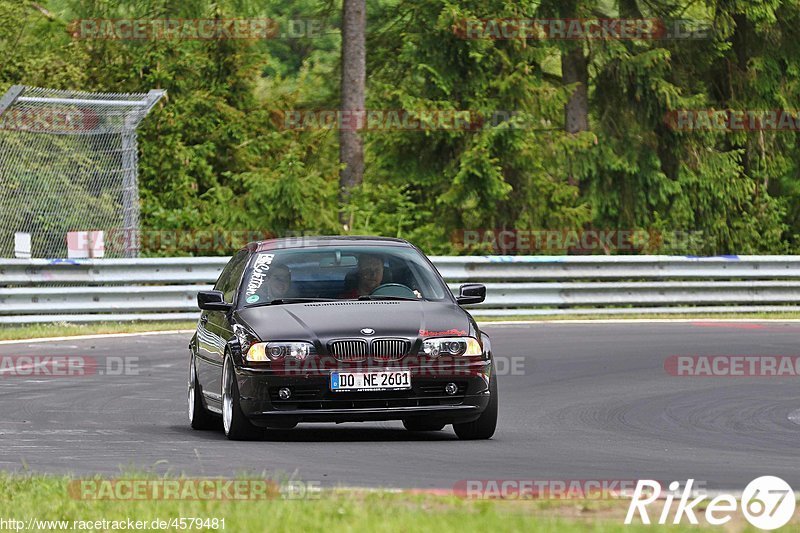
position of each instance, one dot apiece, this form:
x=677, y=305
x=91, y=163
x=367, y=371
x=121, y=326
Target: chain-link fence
x=68, y=172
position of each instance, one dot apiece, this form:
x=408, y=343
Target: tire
x=422, y=425
x=234, y=423
x=199, y=416
x=483, y=427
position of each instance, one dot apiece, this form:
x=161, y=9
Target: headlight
x=466, y=346
x=278, y=351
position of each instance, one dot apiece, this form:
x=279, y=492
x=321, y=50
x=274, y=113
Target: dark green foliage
x=214, y=154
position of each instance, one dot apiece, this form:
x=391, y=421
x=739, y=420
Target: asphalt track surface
x=592, y=401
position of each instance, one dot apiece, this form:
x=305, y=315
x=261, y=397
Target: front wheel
x=483, y=427
x=235, y=424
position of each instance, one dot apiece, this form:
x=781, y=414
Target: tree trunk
x=351, y=146
x=574, y=69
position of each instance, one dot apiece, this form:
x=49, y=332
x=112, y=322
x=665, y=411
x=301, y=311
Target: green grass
x=63, y=329
x=47, y=498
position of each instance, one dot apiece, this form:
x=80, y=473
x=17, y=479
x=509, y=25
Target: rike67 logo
x=767, y=502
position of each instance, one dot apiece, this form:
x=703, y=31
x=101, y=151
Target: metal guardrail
x=655, y=267
x=41, y=290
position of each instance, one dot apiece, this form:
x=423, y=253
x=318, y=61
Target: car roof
x=325, y=240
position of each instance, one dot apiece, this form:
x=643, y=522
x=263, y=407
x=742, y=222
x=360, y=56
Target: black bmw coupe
x=339, y=329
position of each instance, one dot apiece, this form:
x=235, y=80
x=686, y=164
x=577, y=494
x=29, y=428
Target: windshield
x=340, y=273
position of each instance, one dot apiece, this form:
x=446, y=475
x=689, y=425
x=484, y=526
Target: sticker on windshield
x=253, y=299
x=260, y=268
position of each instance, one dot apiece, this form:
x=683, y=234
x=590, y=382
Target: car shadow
x=354, y=433
x=329, y=433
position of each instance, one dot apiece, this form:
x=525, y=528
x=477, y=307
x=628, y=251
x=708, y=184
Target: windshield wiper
x=280, y=301
x=379, y=297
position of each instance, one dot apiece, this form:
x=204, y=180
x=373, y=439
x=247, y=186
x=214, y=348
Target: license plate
x=361, y=381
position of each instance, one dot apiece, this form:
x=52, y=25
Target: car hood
x=325, y=321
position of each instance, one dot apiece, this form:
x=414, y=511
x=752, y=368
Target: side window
x=225, y=274
x=237, y=264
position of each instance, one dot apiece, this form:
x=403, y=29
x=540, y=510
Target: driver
x=280, y=282
x=369, y=275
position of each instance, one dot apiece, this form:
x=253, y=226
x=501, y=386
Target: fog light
x=451, y=388
x=284, y=393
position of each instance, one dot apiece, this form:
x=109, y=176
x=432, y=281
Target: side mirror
x=212, y=301
x=471, y=293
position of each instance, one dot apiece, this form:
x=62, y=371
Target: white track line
x=642, y=321
x=97, y=336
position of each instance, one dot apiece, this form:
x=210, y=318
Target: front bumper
x=313, y=401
